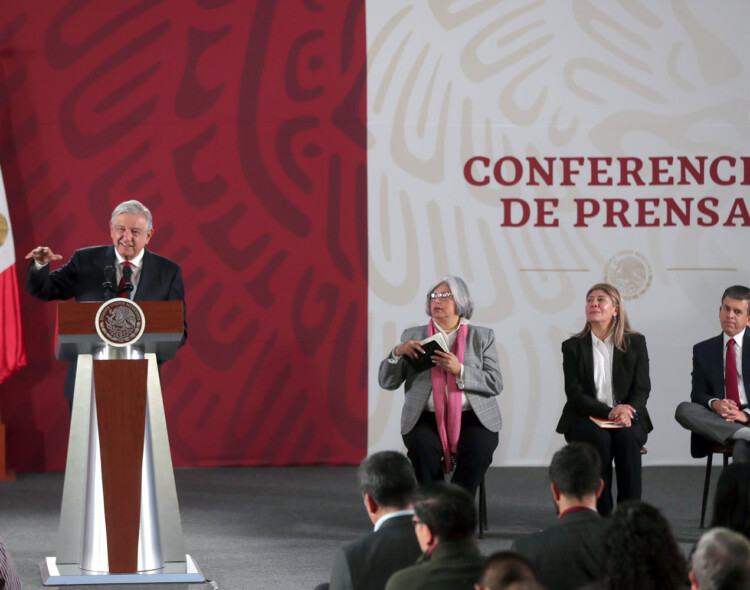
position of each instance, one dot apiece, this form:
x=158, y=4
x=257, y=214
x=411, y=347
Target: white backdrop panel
x=449, y=81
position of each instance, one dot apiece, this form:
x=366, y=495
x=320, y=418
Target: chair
x=726, y=451
x=482, y=509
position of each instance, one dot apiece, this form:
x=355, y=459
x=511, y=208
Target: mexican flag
x=12, y=347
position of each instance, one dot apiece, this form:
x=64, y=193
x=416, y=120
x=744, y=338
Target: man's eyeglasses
x=415, y=522
x=440, y=295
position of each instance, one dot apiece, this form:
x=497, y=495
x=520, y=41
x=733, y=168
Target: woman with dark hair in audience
x=732, y=499
x=606, y=375
x=641, y=552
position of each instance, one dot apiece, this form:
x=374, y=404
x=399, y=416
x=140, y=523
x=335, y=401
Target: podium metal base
x=67, y=574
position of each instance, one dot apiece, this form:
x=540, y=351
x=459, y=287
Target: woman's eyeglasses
x=440, y=295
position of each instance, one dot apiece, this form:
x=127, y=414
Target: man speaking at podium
x=132, y=271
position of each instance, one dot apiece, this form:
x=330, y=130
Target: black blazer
x=630, y=381
x=83, y=275
x=708, y=369
x=708, y=380
x=368, y=562
x=569, y=554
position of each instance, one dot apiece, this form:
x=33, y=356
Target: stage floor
x=278, y=527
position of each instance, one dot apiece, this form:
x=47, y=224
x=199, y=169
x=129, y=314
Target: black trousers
x=476, y=444
x=621, y=445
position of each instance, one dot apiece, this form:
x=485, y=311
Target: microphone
x=127, y=274
x=109, y=283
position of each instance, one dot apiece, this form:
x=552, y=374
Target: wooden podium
x=120, y=519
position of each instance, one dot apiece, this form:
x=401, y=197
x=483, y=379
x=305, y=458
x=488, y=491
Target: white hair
x=721, y=560
x=461, y=297
x=134, y=207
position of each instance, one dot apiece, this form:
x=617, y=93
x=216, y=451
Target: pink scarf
x=448, y=423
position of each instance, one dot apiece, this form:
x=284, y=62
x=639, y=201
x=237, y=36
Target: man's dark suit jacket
x=82, y=277
x=453, y=565
x=630, y=380
x=569, y=554
x=368, y=562
x=708, y=380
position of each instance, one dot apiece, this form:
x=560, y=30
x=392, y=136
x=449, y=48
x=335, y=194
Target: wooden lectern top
x=76, y=329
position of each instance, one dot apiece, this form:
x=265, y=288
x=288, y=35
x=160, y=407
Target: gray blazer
x=482, y=378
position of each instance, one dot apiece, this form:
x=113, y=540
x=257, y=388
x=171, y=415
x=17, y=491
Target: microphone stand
x=127, y=274
x=109, y=283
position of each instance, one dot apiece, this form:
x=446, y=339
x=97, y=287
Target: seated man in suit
x=444, y=520
x=721, y=382
x=388, y=484
x=721, y=560
x=152, y=277
x=569, y=554
x=504, y=570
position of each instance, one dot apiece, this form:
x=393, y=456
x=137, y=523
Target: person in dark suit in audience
x=387, y=482
x=732, y=499
x=570, y=554
x=717, y=410
x=721, y=561
x=505, y=570
x=8, y=575
x=606, y=375
x=450, y=420
x=444, y=520
x=153, y=277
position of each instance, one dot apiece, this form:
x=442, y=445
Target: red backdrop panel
x=241, y=124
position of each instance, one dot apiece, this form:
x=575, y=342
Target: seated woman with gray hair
x=450, y=419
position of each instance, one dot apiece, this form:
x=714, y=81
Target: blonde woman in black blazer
x=609, y=382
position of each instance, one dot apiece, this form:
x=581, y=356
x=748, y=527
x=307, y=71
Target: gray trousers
x=707, y=423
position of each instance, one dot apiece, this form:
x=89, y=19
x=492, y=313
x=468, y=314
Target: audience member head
x=443, y=512
x=640, y=551
x=387, y=482
x=732, y=499
x=575, y=475
x=720, y=561
x=505, y=569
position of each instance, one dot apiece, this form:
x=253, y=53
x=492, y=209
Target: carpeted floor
x=277, y=527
